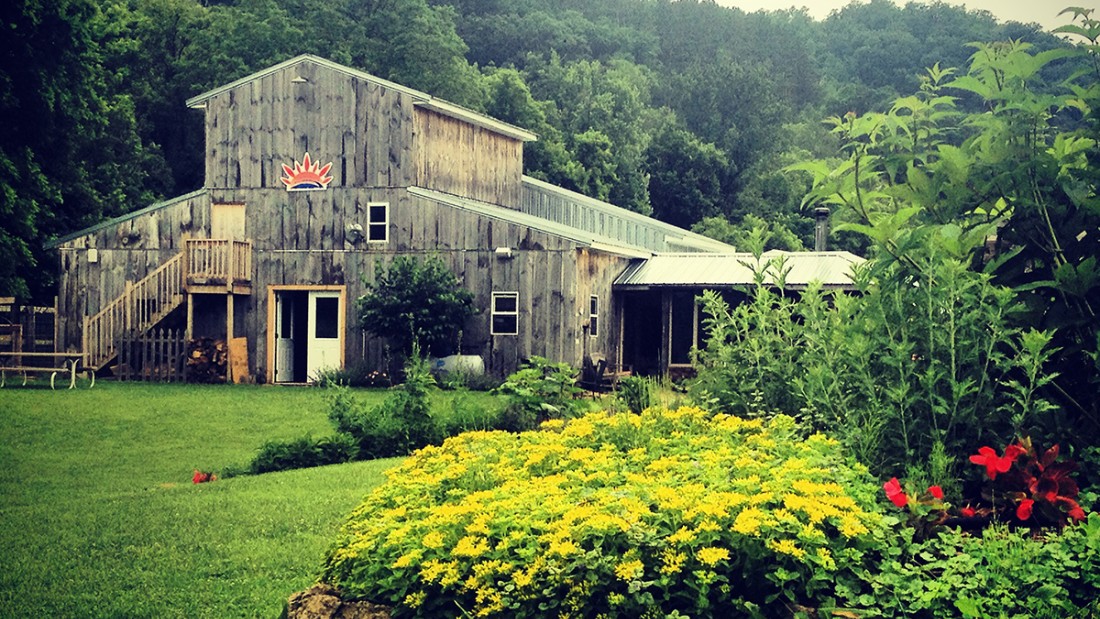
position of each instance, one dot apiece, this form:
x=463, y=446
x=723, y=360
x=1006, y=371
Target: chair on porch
x=592, y=375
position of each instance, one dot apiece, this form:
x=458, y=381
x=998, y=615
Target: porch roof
x=697, y=270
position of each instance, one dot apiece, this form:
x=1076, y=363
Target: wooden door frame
x=272, y=289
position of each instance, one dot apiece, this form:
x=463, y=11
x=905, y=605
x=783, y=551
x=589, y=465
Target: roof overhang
x=732, y=270
x=500, y=213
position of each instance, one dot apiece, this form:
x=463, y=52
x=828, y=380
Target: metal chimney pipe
x=821, y=228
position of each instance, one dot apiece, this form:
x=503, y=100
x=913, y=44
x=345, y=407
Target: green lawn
x=99, y=518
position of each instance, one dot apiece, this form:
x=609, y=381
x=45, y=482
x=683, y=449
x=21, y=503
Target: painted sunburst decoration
x=306, y=176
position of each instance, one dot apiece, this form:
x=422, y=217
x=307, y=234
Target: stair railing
x=142, y=305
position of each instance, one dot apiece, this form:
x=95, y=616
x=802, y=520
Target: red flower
x=993, y=463
x=895, y=493
x=201, y=477
x=936, y=492
x=1077, y=513
x=967, y=512
x=1023, y=512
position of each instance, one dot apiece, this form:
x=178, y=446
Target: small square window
x=504, y=319
x=594, y=316
x=378, y=223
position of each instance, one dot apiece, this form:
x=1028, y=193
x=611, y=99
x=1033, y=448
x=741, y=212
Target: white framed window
x=593, y=315
x=378, y=222
x=504, y=317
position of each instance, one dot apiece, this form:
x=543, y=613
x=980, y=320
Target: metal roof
x=123, y=218
x=830, y=268
x=534, y=222
x=422, y=99
x=625, y=226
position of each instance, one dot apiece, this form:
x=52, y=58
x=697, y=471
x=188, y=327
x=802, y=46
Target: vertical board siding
x=127, y=251
x=463, y=159
x=380, y=143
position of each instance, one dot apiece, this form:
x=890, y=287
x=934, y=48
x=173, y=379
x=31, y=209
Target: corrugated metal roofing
x=534, y=222
x=570, y=208
x=831, y=268
x=422, y=98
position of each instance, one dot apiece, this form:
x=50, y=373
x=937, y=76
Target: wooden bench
x=54, y=363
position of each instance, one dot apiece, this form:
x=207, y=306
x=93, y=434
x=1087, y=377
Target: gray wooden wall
x=374, y=136
x=127, y=251
x=379, y=142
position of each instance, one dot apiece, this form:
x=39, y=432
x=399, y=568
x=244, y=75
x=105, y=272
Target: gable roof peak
x=420, y=99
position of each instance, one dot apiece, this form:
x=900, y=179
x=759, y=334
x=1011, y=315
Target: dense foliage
x=908, y=373
x=1011, y=191
x=686, y=109
x=670, y=511
x=417, y=305
x=539, y=391
x=998, y=572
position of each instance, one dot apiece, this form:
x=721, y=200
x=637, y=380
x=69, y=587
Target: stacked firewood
x=207, y=360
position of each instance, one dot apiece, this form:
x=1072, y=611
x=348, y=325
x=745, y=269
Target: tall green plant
x=1010, y=189
x=904, y=368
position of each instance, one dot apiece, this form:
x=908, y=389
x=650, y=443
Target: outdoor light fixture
x=504, y=253
x=354, y=233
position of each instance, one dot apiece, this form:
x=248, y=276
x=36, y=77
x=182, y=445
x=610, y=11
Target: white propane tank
x=469, y=364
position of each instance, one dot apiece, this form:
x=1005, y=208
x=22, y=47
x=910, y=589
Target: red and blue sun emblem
x=307, y=175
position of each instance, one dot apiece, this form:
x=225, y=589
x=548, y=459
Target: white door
x=284, y=339
x=324, y=327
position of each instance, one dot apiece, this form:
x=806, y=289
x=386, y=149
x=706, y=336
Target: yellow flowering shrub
x=616, y=515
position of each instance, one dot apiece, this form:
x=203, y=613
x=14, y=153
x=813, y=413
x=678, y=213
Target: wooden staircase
x=144, y=304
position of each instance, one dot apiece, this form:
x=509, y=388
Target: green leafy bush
x=999, y=573
x=401, y=424
x=913, y=365
x=670, y=511
x=636, y=393
x=416, y=304
x=303, y=452
x=539, y=391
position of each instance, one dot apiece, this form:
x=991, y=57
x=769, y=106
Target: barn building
x=317, y=174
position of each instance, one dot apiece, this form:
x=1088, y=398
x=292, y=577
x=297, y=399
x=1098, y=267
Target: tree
x=69, y=152
x=416, y=303
x=685, y=177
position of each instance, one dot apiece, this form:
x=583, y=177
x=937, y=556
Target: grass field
x=99, y=518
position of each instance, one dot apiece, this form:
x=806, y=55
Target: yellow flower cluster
x=655, y=506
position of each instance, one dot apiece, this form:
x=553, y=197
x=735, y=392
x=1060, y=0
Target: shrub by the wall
x=303, y=453
x=539, y=391
x=615, y=515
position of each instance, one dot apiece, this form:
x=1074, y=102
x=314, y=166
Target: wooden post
x=189, y=333
x=228, y=334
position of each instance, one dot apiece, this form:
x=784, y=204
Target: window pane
x=328, y=309
x=593, y=326
x=594, y=305
x=376, y=232
x=505, y=303
x=505, y=325
x=377, y=213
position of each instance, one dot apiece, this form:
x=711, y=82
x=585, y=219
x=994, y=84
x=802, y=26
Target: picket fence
x=157, y=355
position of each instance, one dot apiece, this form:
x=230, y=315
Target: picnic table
x=53, y=363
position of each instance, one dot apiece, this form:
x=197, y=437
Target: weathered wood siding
x=364, y=129
x=380, y=143
x=127, y=251
x=463, y=159
x=596, y=272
